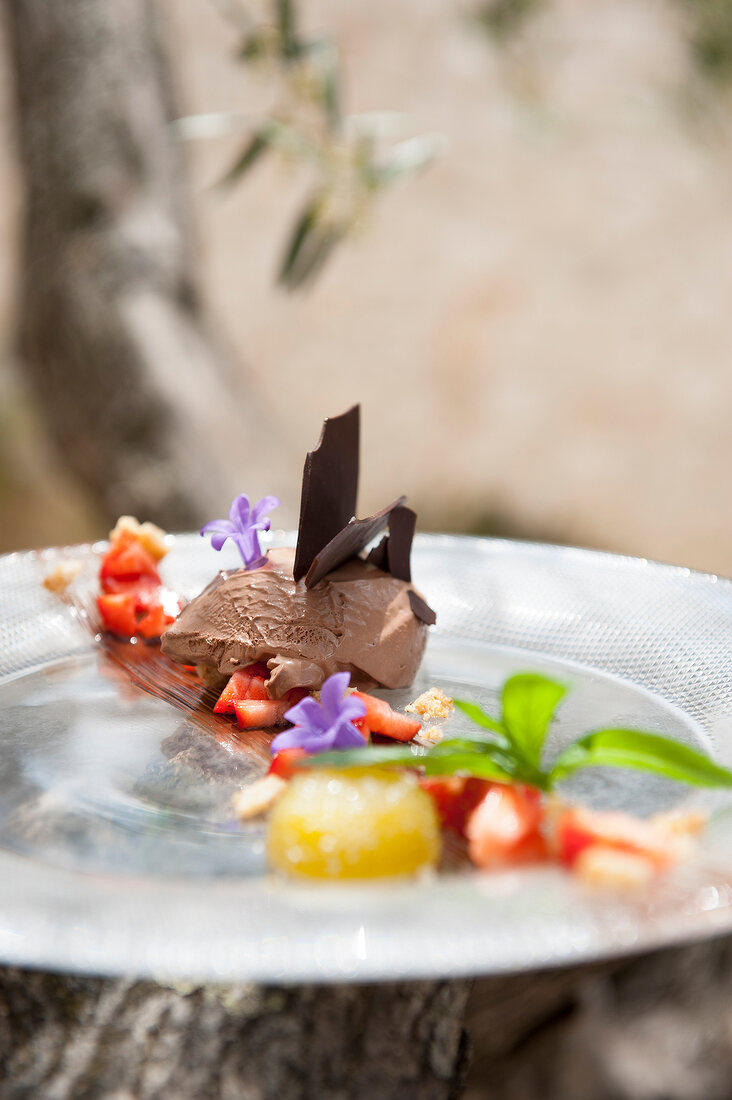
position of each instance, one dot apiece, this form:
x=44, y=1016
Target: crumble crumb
x=611, y=868
x=61, y=576
x=152, y=537
x=257, y=799
x=432, y=704
x=431, y=736
x=680, y=823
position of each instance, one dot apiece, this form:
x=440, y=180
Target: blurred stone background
x=538, y=326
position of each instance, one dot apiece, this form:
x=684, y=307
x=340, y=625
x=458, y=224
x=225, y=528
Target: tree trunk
x=650, y=1027
x=133, y=389
x=64, y=1038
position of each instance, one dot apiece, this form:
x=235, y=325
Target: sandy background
x=539, y=326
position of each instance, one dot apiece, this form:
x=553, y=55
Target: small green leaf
x=287, y=27
x=466, y=763
x=370, y=755
x=457, y=756
x=252, y=152
x=309, y=247
x=529, y=702
x=407, y=157
x=623, y=748
x=479, y=716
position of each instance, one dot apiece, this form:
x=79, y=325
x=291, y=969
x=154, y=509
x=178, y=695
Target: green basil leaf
x=479, y=765
x=529, y=702
x=369, y=756
x=623, y=748
x=479, y=716
x=459, y=755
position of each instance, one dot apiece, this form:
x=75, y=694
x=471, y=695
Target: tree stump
x=651, y=1027
x=65, y=1038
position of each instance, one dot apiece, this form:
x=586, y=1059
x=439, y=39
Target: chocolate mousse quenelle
x=321, y=608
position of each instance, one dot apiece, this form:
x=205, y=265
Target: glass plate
x=119, y=854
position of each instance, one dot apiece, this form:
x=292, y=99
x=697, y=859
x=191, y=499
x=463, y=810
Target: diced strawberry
x=252, y=713
x=118, y=612
x=294, y=695
x=283, y=762
x=256, y=688
x=245, y=683
x=504, y=828
x=455, y=797
x=127, y=558
x=147, y=588
x=389, y=723
x=578, y=828
x=154, y=622
x=363, y=727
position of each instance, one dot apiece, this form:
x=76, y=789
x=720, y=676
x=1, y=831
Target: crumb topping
x=257, y=799
x=430, y=736
x=61, y=576
x=150, y=536
x=432, y=704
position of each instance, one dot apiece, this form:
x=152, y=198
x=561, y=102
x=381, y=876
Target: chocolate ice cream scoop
x=358, y=619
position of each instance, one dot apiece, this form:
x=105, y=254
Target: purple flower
x=319, y=727
x=242, y=527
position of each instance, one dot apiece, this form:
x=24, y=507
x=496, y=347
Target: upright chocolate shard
x=402, y=523
x=349, y=542
x=329, y=488
x=393, y=553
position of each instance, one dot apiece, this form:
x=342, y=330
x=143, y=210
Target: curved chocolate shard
x=349, y=541
x=421, y=609
x=329, y=487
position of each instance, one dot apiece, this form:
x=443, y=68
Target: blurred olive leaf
x=349, y=155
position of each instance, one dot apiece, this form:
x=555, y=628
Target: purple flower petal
x=294, y=738
x=307, y=713
x=352, y=708
x=348, y=737
x=266, y=504
x=218, y=539
x=219, y=525
x=239, y=511
x=332, y=692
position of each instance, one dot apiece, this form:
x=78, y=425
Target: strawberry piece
x=294, y=695
x=455, y=797
x=283, y=762
x=127, y=559
x=253, y=713
x=363, y=727
x=389, y=723
x=578, y=828
x=245, y=683
x=118, y=612
x=154, y=623
x=504, y=828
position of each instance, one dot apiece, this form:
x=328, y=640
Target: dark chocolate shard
x=394, y=551
x=349, y=542
x=402, y=523
x=421, y=609
x=329, y=487
x=379, y=556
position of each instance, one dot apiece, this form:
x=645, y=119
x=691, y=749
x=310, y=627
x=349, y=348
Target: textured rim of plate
x=272, y=931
